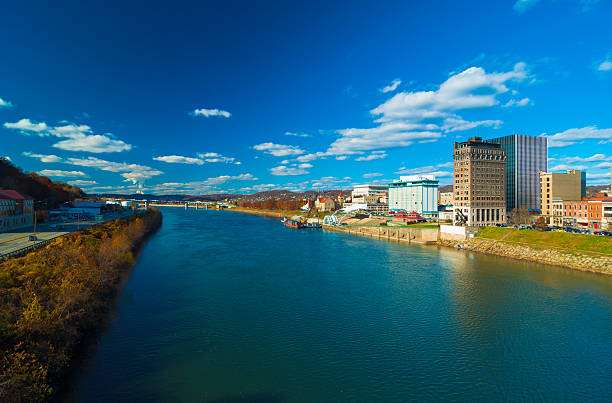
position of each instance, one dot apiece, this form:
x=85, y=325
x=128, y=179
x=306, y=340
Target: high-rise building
x=526, y=157
x=417, y=193
x=479, y=183
x=563, y=186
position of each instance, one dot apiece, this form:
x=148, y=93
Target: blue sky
x=202, y=97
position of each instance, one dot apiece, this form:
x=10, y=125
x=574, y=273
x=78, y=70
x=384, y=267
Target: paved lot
x=19, y=239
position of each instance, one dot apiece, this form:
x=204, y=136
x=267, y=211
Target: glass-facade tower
x=526, y=156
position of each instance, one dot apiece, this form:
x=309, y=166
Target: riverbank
x=53, y=298
x=571, y=259
x=266, y=213
x=578, y=252
x=587, y=253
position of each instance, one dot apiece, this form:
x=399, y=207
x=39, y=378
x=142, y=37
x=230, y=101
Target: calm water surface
x=228, y=307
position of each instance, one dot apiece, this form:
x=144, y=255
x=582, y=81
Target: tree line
x=37, y=186
x=52, y=298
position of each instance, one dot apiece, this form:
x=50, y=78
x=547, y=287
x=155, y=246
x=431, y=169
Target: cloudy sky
x=204, y=97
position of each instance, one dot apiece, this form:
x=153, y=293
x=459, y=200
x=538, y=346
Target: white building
x=368, y=190
x=418, y=193
x=446, y=198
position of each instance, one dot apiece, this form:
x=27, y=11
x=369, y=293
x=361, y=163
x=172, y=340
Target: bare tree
x=519, y=216
x=541, y=224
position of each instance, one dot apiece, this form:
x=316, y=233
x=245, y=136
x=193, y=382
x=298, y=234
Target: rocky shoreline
x=594, y=263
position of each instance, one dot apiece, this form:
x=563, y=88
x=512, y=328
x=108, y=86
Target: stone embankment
x=399, y=234
x=577, y=260
x=557, y=257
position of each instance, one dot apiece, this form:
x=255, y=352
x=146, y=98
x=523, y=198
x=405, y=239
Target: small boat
x=284, y=220
x=294, y=224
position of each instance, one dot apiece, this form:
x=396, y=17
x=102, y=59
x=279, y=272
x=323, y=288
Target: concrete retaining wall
x=452, y=233
x=409, y=235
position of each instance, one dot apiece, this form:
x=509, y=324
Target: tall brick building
x=479, y=183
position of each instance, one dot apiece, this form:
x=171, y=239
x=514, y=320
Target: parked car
x=33, y=238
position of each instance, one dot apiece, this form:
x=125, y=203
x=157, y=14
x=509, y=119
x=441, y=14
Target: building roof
x=13, y=195
x=323, y=199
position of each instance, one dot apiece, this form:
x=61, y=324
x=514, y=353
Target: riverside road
x=18, y=239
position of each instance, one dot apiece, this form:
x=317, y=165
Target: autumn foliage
x=51, y=298
x=39, y=187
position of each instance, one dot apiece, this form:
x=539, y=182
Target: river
x=230, y=307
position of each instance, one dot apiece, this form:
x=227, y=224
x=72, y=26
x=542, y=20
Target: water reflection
x=231, y=307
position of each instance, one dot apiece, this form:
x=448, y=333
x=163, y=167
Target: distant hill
x=445, y=189
x=39, y=187
x=593, y=190
x=259, y=196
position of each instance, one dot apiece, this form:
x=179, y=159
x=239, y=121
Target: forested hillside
x=39, y=187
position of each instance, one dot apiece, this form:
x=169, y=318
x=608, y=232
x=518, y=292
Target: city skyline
x=206, y=98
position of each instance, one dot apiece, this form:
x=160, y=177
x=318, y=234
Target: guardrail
x=29, y=248
x=39, y=244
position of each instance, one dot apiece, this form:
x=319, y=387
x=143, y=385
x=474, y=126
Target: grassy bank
x=52, y=298
x=274, y=213
x=551, y=239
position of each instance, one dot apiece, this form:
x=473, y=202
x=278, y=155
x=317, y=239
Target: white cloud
x=472, y=88
x=43, y=157
x=297, y=134
x=523, y=5
x=454, y=124
x=514, y=102
x=572, y=136
x=5, y=104
x=206, y=186
x=430, y=169
x=278, y=150
x=28, y=127
x=598, y=176
x=216, y=157
x=371, y=175
x=388, y=135
x=211, y=112
x=566, y=167
x=283, y=170
x=131, y=172
x=80, y=182
x=605, y=66
x=424, y=116
x=391, y=87
x=63, y=174
x=177, y=159
x=78, y=138
x=259, y=187
x=313, y=156
x=602, y=165
x=375, y=155
x=304, y=166
x=592, y=158
x=329, y=182
x=93, y=144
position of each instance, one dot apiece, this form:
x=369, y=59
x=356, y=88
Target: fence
x=29, y=248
